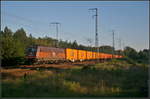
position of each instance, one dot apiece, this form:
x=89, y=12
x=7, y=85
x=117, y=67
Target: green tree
x=131, y=53
x=20, y=34
x=21, y=40
x=75, y=45
x=31, y=40
x=106, y=49
x=144, y=56
x=8, y=44
x=11, y=48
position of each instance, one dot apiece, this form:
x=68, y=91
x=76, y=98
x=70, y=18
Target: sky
x=128, y=19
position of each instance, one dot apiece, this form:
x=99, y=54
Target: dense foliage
x=14, y=44
x=140, y=57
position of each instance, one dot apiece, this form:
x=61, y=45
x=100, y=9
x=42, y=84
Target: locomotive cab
x=31, y=52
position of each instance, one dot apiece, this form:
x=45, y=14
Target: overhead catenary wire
x=27, y=22
x=23, y=18
x=71, y=5
x=31, y=24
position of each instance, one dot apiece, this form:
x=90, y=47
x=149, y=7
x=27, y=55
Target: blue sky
x=129, y=20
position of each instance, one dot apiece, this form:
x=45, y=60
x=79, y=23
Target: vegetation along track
x=108, y=79
x=66, y=65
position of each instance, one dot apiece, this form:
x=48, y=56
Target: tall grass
x=109, y=79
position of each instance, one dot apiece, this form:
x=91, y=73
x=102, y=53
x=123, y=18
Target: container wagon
x=55, y=55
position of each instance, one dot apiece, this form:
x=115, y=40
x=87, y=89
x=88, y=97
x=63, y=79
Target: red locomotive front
x=45, y=54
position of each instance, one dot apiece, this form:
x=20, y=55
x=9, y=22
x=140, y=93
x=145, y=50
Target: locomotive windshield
x=31, y=51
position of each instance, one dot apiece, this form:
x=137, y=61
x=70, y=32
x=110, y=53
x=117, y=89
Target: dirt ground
x=30, y=69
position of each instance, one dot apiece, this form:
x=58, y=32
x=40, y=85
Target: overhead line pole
x=123, y=47
x=56, y=23
x=120, y=46
x=96, y=28
x=120, y=43
x=113, y=51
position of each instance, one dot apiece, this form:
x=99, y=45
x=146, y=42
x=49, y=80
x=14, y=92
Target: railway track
x=58, y=66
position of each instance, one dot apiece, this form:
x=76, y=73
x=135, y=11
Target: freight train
x=37, y=54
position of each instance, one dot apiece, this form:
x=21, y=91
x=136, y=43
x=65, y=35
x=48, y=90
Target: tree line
x=14, y=44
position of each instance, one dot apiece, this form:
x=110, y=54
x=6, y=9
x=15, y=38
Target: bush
x=13, y=61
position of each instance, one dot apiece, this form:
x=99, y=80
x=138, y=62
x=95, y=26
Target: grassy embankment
x=109, y=79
